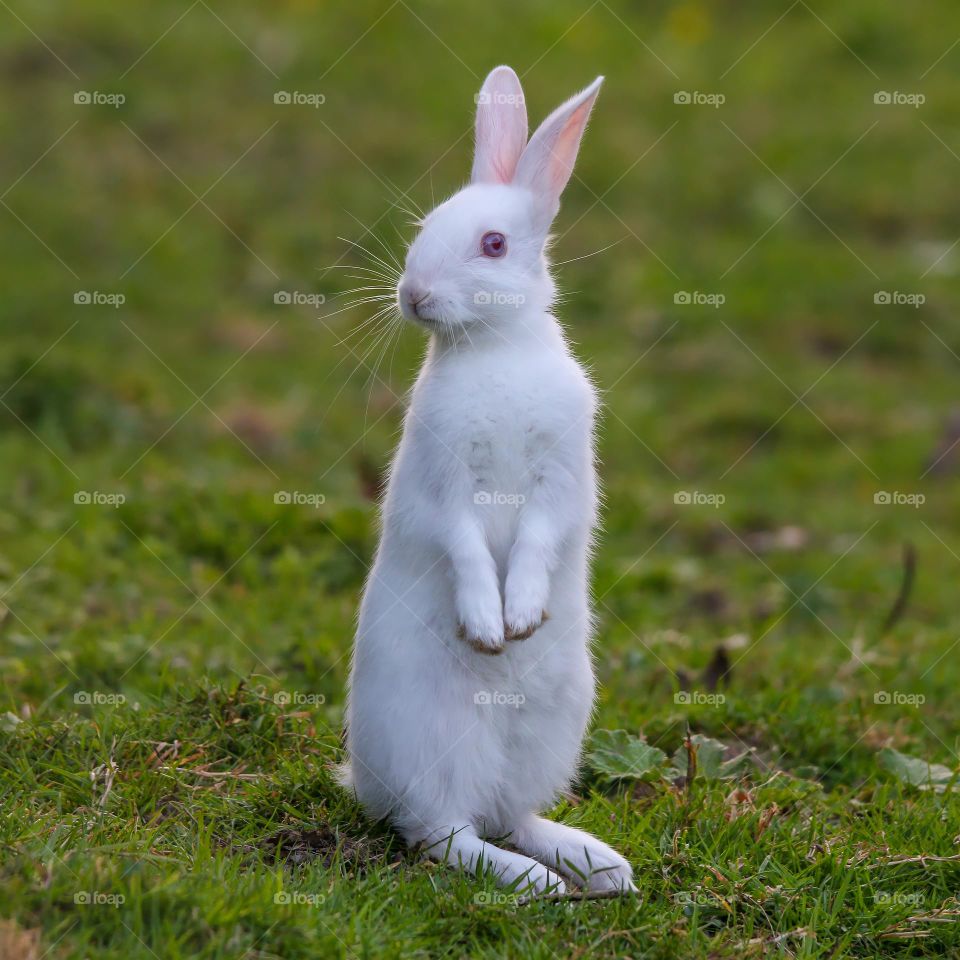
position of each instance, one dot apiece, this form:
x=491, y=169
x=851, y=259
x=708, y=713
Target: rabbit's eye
x=493, y=244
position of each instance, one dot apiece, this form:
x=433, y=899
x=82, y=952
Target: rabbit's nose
x=412, y=293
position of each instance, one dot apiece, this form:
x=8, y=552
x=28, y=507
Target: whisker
x=400, y=236
x=370, y=322
x=369, y=298
x=385, y=340
x=609, y=246
x=351, y=266
x=377, y=302
x=369, y=287
x=343, y=309
x=375, y=326
x=416, y=220
x=377, y=338
x=385, y=281
x=416, y=212
x=383, y=244
x=368, y=253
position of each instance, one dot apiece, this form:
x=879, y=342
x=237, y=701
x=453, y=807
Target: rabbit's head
x=478, y=259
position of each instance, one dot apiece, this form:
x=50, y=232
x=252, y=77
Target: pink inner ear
x=503, y=165
x=548, y=160
x=501, y=128
x=498, y=149
x=564, y=152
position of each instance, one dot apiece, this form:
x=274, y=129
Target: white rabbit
x=471, y=683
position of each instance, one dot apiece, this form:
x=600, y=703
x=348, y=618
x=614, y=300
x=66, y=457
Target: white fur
x=457, y=729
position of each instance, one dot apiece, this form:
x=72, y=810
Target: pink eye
x=493, y=245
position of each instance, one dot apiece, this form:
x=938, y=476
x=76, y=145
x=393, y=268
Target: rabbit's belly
x=515, y=720
x=534, y=710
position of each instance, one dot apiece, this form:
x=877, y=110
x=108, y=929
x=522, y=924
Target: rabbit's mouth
x=422, y=313
x=432, y=310
x=422, y=310
x=427, y=312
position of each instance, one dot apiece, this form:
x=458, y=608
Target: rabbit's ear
x=547, y=163
x=501, y=127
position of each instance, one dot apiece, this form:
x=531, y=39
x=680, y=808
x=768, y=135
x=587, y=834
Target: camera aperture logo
x=500, y=99
x=497, y=698
x=98, y=298
x=495, y=898
x=298, y=499
x=699, y=898
x=698, y=698
x=496, y=498
x=298, y=698
x=897, y=298
x=896, y=98
x=698, y=298
x=299, y=899
x=297, y=98
x=94, y=898
x=498, y=298
x=897, y=698
x=97, y=98
x=298, y=298
x=97, y=698
x=897, y=498
x=896, y=898
x=697, y=98
x=697, y=498
x=98, y=498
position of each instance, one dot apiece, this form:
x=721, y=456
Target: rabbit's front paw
x=481, y=628
x=524, y=601
x=521, y=617
x=520, y=628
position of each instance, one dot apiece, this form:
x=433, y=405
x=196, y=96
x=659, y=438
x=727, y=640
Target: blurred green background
x=810, y=179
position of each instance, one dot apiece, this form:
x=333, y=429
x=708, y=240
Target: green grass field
x=174, y=641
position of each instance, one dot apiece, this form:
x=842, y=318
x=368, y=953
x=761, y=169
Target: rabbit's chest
x=504, y=439
x=501, y=427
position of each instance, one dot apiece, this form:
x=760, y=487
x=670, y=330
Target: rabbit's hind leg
x=581, y=856
x=461, y=846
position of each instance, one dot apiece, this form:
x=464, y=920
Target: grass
x=172, y=667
